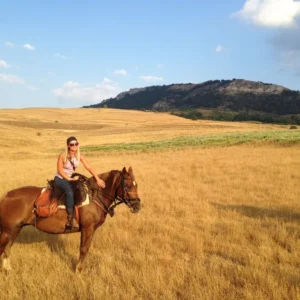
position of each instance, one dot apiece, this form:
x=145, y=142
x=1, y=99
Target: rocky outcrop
x=235, y=95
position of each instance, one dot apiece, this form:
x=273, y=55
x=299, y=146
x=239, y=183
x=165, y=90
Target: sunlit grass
x=220, y=215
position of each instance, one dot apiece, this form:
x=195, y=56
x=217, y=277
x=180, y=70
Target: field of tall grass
x=220, y=215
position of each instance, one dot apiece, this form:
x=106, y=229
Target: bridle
x=117, y=200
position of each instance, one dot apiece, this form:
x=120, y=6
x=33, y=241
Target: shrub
x=189, y=114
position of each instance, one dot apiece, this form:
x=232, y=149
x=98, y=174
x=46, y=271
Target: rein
x=110, y=210
x=117, y=200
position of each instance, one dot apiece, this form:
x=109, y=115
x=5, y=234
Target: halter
x=117, y=200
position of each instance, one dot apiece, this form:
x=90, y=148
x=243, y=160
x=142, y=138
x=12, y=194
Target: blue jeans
x=65, y=186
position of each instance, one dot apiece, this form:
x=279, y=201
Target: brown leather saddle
x=48, y=201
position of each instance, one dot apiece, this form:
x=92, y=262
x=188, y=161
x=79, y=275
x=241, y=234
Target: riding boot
x=69, y=224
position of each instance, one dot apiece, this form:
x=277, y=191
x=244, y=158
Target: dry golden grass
x=46, y=129
x=215, y=223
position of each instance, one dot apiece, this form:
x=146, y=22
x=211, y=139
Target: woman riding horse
x=67, y=162
x=17, y=211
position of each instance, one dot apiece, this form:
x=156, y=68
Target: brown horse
x=17, y=211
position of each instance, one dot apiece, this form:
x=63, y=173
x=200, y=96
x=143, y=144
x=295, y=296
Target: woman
x=66, y=165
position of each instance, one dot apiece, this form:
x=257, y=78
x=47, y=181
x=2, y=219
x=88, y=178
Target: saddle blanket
x=85, y=202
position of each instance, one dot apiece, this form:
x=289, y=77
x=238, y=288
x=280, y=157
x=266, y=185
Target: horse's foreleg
x=7, y=239
x=85, y=243
x=4, y=239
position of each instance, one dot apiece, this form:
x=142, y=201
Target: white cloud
x=15, y=80
x=87, y=94
x=151, y=78
x=286, y=47
x=219, y=48
x=71, y=84
x=106, y=80
x=290, y=61
x=11, y=79
x=60, y=56
x=270, y=13
x=32, y=88
x=120, y=72
x=3, y=64
x=10, y=44
x=29, y=47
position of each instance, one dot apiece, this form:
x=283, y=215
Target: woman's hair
x=70, y=139
x=77, y=154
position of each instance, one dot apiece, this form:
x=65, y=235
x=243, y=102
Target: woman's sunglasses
x=73, y=144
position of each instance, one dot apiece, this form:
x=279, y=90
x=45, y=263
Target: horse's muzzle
x=136, y=206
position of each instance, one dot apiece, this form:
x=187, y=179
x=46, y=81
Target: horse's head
x=121, y=187
x=128, y=190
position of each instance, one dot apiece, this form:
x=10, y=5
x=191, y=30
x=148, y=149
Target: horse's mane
x=86, y=185
x=102, y=175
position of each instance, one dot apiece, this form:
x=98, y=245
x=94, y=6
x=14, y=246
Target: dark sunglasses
x=73, y=144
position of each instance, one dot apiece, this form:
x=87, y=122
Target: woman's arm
x=99, y=181
x=60, y=167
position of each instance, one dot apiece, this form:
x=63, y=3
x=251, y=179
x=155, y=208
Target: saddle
x=51, y=197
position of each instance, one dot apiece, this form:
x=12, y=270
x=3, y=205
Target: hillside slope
x=235, y=95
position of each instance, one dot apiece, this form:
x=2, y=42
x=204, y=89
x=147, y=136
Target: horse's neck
x=112, y=182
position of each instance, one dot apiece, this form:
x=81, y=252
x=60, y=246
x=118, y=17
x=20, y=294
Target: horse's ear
x=124, y=170
x=130, y=170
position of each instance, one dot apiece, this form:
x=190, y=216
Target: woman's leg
x=66, y=187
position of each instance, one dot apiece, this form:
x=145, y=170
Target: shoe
x=71, y=221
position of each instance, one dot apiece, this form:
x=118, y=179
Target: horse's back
x=17, y=204
x=23, y=191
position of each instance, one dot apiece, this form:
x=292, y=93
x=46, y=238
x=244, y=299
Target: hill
x=233, y=95
x=42, y=132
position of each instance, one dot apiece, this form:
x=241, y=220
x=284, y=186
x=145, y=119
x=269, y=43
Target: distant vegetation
x=239, y=116
x=228, y=139
x=189, y=114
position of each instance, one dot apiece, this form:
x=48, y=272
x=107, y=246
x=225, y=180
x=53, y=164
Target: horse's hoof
x=6, y=265
x=78, y=269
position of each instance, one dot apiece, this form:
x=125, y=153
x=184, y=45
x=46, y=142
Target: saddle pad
x=85, y=202
x=43, y=206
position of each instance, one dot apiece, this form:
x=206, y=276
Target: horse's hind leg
x=7, y=239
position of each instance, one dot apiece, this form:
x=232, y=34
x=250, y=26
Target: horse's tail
x=1, y=199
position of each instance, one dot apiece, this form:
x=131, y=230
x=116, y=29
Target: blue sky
x=74, y=53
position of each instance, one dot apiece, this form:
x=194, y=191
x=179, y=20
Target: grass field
x=220, y=215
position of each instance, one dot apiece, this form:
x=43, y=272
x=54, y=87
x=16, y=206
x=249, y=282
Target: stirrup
x=69, y=225
x=72, y=223
x=75, y=224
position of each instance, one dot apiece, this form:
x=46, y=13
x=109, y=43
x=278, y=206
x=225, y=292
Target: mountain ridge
x=234, y=95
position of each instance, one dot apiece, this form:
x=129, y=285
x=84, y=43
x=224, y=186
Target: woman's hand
x=100, y=182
